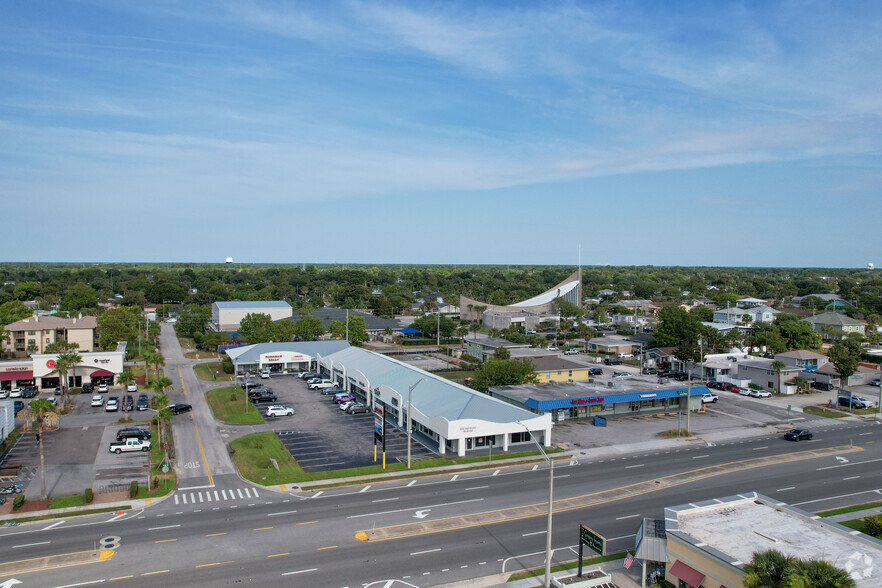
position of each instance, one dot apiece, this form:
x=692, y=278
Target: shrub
x=87, y=496
x=133, y=489
x=74, y=390
x=227, y=365
x=873, y=524
x=18, y=501
x=469, y=358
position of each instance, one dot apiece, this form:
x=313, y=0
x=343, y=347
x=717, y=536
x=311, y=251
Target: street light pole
x=409, y=392
x=550, y=504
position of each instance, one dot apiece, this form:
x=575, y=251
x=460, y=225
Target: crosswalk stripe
x=239, y=490
x=208, y=496
x=255, y=492
x=176, y=498
x=192, y=498
x=184, y=498
x=200, y=497
x=224, y=494
x=215, y=495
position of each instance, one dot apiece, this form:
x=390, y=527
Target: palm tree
x=817, y=573
x=64, y=363
x=768, y=569
x=778, y=365
x=158, y=362
x=42, y=414
x=160, y=401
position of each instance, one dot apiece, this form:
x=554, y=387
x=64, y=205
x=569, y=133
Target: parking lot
x=322, y=437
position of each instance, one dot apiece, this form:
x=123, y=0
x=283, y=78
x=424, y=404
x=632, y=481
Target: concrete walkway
x=850, y=516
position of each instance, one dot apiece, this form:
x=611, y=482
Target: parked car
x=626, y=355
x=345, y=397
x=321, y=385
x=264, y=374
x=649, y=371
x=15, y=393
x=130, y=402
x=249, y=385
x=261, y=398
x=724, y=386
x=709, y=398
x=595, y=372
x=798, y=435
x=112, y=404
x=826, y=386
x=713, y=385
x=179, y=408
x=103, y=388
x=855, y=402
x=17, y=405
x=742, y=391
x=143, y=402
x=4, y=394
x=88, y=388
x=571, y=352
x=57, y=391
x=759, y=394
x=97, y=400
x=612, y=361
x=131, y=387
x=29, y=392
x=357, y=408
x=129, y=445
x=345, y=405
x=259, y=391
x=551, y=348
x=307, y=375
x=622, y=375
x=330, y=390
x=279, y=410
x=132, y=432
x=876, y=382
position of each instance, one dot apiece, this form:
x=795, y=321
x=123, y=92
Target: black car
x=17, y=406
x=612, y=361
x=798, y=435
x=88, y=388
x=268, y=397
x=58, y=391
x=713, y=385
x=130, y=402
x=331, y=390
x=595, y=372
x=132, y=433
x=179, y=408
x=29, y=392
x=649, y=371
x=259, y=391
x=827, y=386
x=250, y=385
x=143, y=402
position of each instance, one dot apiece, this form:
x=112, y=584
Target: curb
x=133, y=504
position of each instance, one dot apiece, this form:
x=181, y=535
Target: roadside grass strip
x=587, y=500
x=229, y=405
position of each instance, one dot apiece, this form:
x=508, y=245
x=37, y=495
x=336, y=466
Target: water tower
x=870, y=266
x=229, y=263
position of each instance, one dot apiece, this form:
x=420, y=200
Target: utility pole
x=409, y=392
x=688, y=397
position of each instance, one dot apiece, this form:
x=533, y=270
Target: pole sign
x=592, y=540
x=379, y=421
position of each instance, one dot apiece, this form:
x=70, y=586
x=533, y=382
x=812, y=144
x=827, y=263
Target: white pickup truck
x=129, y=445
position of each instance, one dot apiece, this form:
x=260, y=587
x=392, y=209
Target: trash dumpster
x=599, y=421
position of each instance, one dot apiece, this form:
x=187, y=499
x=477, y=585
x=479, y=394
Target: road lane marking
x=165, y=541
x=197, y=487
x=224, y=494
x=627, y=517
x=411, y=483
x=328, y=547
x=758, y=448
x=278, y=554
x=201, y=450
x=426, y=551
x=262, y=529
x=455, y=476
x=156, y=572
x=365, y=489
x=220, y=563
x=239, y=490
x=165, y=527
x=75, y=585
x=639, y=465
x=534, y=533
x=865, y=433
x=371, y=514
x=845, y=465
x=120, y=578
x=55, y=524
x=562, y=476
x=384, y=499
x=31, y=544
x=215, y=495
x=496, y=473
x=477, y=487
x=215, y=534
x=787, y=488
x=851, y=478
x=299, y=572
x=307, y=523
x=319, y=493
x=275, y=514
x=699, y=456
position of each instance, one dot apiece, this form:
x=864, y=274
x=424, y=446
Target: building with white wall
x=282, y=357
x=39, y=369
x=35, y=333
x=226, y=316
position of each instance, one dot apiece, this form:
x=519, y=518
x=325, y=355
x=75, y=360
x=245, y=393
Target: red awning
x=689, y=575
x=20, y=376
x=101, y=374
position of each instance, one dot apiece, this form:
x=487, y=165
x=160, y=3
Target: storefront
x=281, y=358
x=40, y=370
x=574, y=400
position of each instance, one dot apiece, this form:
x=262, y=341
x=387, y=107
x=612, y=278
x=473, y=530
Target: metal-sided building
x=226, y=316
x=282, y=357
x=447, y=415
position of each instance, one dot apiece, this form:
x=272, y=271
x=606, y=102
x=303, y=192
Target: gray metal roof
x=252, y=353
x=253, y=304
x=434, y=396
x=326, y=315
x=652, y=544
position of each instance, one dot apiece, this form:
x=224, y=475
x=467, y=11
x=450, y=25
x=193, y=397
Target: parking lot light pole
x=550, y=504
x=409, y=392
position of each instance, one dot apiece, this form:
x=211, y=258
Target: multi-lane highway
x=231, y=533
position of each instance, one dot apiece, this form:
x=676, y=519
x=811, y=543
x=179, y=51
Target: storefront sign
x=97, y=360
x=682, y=392
x=647, y=396
x=282, y=357
x=467, y=429
x=50, y=364
x=587, y=400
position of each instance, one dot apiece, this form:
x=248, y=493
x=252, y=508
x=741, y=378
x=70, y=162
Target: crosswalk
x=215, y=495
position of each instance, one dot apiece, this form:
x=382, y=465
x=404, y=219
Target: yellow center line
x=328, y=547
x=184, y=389
x=157, y=572
x=215, y=534
x=262, y=529
x=220, y=563
x=204, y=460
x=165, y=541
x=307, y=523
x=120, y=578
x=278, y=554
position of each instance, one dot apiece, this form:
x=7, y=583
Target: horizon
x=666, y=135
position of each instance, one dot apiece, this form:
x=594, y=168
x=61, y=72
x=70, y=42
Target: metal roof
x=435, y=396
x=252, y=304
x=252, y=353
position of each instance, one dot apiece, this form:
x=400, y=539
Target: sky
x=648, y=133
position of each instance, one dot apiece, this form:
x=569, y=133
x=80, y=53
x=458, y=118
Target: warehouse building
x=226, y=316
x=446, y=416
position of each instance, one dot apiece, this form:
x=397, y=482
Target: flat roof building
x=35, y=333
x=227, y=315
x=285, y=357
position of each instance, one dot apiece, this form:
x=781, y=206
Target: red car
x=735, y=389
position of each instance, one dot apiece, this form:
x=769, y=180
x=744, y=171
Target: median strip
x=52, y=562
x=587, y=500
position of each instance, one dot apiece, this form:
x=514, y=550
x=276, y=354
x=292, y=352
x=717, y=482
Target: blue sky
x=664, y=133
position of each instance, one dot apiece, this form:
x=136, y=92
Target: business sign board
x=592, y=540
x=379, y=423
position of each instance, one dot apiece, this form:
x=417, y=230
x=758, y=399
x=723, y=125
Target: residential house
x=611, y=345
x=833, y=302
x=749, y=301
x=744, y=316
x=485, y=347
x=558, y=369
x=646, y=307
x=760, y=372
x=802, y=358
x=835, y=326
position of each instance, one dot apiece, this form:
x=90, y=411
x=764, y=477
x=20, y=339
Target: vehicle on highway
x=131, y=387
x=759, y=394
x=264, y=374
x=595, y=371
x=103, y=388
x=825, y=386
x=279, y=410
x=15, y=393
x=798, y=435
x=132, y=433
x=112, y=404
x=97, y=400
x=129, y=444
x=179, y=408
x=710, y=397
x=143, y=402
x=357, y=408
x=612, y=361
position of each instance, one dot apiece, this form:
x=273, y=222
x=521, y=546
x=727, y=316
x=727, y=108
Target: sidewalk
x=850, y=516
x=621, y=577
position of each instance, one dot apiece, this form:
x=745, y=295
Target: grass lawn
x=587, y=562
x=456, y=375
x=856, y=524
x=253, y=452
x=824, y=412
x=67, y=501
x=848, y=509
x=230, y=406
x=162, y=483
x=212, y=372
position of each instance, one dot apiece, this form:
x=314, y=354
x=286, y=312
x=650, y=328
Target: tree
x=118, y=324
x=309, y=328
x=778, y=365
x=676, y=326
x=14, y=310
x=192, y=319
x=566, y=308
x=817, y=573
x=845, y=355
x=284, y=331
x=61, y=346
x=796, y=333
x=27, y=291
x=78, y=297
x=474, y=328
x=702, y=314
x=498, y=372
x=66, y=362
x=768, y=569
x=357, y=330
x=124, y=379
x=41, y=413
x=337, y=329
x=258, y=327
x=502, y=353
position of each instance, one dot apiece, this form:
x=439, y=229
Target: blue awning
x=613, y=398
x=409, y=331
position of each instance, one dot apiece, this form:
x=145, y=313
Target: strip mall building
x=39, y=369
